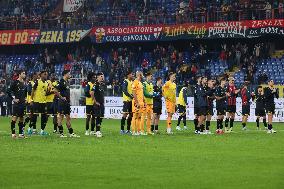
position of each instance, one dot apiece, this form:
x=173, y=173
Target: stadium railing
x=78, y=21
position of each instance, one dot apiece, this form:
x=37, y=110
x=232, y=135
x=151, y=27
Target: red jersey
x=246, y=96
x=232, y=98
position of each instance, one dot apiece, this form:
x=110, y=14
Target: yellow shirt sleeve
x=166, y=89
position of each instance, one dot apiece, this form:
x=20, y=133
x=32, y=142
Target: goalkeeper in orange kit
x=169, y=92
x=138, y=105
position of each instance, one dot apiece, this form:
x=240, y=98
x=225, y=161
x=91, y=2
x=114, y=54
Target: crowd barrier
x=113, y=110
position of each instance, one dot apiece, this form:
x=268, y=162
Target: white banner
x=72, y=5
x=113, y=110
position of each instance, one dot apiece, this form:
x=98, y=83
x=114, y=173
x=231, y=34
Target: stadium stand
x=43, y=14
x=187, y=62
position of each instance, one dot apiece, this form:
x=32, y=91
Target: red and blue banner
x=18, y=37
x=126, y=34
x=210, y=30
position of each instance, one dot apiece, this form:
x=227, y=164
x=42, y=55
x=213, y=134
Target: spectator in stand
x=194, y=70
x=267, y=9
x=238, y=57
x=223, y=56
x=280, y=9
x=257, y=50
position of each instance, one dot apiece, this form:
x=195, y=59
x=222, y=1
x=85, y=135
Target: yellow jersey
x=127, y=90
x=40, y=89
x=169, y=91
x=181, y=97
x=29, y=91
x=88, y=89
x=148, y=92
x=137, y=88
x=51, y=89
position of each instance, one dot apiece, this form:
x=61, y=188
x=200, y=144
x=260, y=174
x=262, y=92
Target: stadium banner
x=126, y=34
x=210, y=30
x=61, y=36
x=113, y=110
x=18, y=37
x=225, y=29
x=72, y=5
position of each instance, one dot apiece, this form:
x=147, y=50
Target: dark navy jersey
x=211, y=96
x=202, y=96
x=270, y=95
x=259, y=101
x=157, y=99
x=195, y=95
x=19, y=90
x=63, y=88
x=221, y=92
x=98, y=90
x=30, y=88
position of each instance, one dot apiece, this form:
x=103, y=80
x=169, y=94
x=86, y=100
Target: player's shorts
x=39, y=108
x=50, y=108
x=221, y=110
x=270, y=108
x=99, y=111
x=246, y=110
x=210, y=110
x=157, y=109
x=149, y=108
x=202, y=111
x=170, y=106
x=89, y=109
x=231, y=108
x=19, y=109
x=127, y=107
x=138, y=110
x=181, y=109
x=260, y=112
x=63, y=108
x=196, y=110
x=55, y=106
x=29, y=108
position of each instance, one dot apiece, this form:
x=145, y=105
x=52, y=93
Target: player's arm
x=49, y=90
x=11, y=90
x=34, y=88
x=243, y=92
x=237, y=91
x=276, y=93
x=57, y=90
x=185, y=96
x=124, y=89
x=211, y=94
x=254, y=96
x=87, y=91
x=93, y=95
x=134, y=89
x=165, y=90
x=29, y=89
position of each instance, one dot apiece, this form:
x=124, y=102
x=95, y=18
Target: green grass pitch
x=250, y=159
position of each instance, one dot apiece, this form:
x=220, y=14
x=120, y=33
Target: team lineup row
x=141, y=101
x=144, y=100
